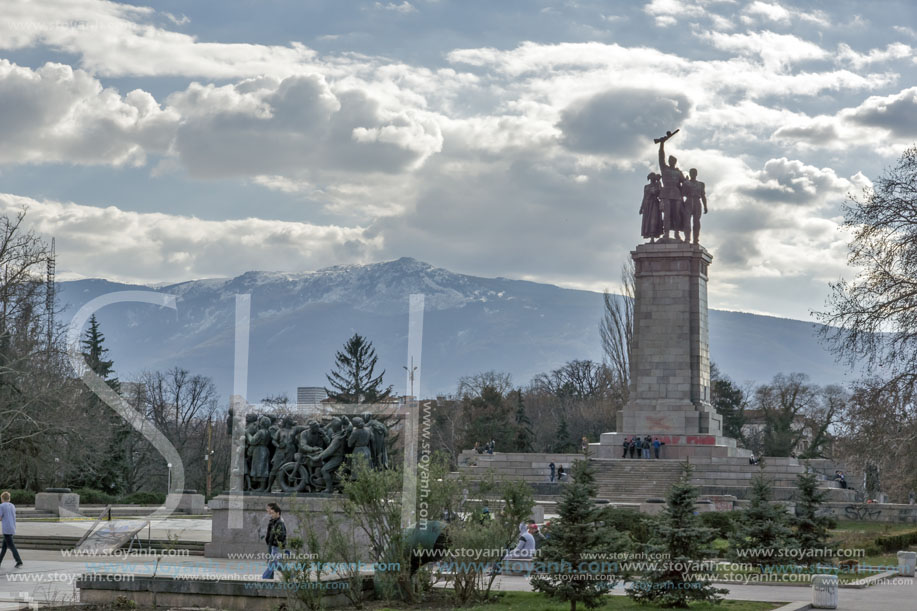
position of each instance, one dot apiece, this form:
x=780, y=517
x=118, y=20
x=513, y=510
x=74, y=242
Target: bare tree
x=180, y=404
x=878, y=427
x=873, y=319
x=474, y=385
x=617, y=329
x=795, y=410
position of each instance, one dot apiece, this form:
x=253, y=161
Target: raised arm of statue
x=661, y=156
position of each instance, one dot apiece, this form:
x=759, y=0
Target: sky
x=185, y=139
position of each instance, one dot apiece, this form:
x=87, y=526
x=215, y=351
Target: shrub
x=90, y=496
x=893, y=543
x=21, y=497
x=723, y=522
x=144, y=498
x=638, y=525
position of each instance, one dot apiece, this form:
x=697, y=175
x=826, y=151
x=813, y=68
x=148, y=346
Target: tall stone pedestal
x=670, y=361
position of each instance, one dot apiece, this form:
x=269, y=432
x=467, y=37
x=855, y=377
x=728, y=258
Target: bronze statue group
x=279, y=451
x=672, y=201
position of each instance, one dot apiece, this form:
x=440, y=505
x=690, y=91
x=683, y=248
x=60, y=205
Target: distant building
x=310, y=395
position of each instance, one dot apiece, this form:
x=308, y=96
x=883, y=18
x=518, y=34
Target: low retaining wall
x=874, y=512
x=231, y=595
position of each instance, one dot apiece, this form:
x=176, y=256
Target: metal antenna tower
x=49, y=294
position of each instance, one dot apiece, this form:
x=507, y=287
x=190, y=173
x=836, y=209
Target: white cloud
x=56, y=113
x=114, y=39
x=891, y=52
x=404, y=8
x=771, y=11
x=154, y=247
x=777, y=51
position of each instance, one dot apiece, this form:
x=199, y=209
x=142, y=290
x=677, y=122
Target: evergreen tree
x=488, y=416
x=679, y=579
x=762, y=529
x=353, y=379
x=729, y=401
x=577, y=538
x=811, y=529
x=106, y=473
x=524, y=435
x=562, y=442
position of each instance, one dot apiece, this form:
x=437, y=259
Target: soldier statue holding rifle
x=670, y=197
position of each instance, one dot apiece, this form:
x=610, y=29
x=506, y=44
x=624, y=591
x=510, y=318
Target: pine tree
x=811, y=529
x=108, y=473
x=562, y=442
x=762, y=529
x=729, y=401
x=488, y=417
x=353, y=379
x=94, y=353
x=576, y=540
x=524, y=435
x=681, y=577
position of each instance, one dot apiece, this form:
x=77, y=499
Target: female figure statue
x=652, y=213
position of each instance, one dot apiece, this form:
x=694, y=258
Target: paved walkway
x=190, y=529
x=48, y=576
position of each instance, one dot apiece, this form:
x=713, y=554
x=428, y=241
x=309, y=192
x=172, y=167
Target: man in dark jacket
x=276, y=538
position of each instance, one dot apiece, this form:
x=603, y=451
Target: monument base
x=680, y=447
x=662, y=417
x=239, y=523
x=58, y=503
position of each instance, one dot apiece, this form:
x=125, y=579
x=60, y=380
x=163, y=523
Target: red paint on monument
x=701, y=440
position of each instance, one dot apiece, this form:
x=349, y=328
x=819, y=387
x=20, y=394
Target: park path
x=48, y=576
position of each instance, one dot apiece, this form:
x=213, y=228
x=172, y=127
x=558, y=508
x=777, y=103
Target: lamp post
x=411, y=374
x=169, y=485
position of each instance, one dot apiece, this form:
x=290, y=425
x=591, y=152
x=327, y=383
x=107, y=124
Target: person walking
x=8, y=521
x=276, y=538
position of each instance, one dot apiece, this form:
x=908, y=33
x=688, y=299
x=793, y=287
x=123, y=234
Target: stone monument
x=670, y=360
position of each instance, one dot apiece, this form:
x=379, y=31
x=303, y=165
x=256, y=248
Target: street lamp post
x=169, y=485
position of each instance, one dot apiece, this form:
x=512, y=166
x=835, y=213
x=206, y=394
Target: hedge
x=899, y=542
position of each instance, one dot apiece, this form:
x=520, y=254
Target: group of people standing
x=487, y=448
x=672, y=201
x=640, y=448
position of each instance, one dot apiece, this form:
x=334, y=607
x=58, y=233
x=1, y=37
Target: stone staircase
x=528, y=467
x=634, y=480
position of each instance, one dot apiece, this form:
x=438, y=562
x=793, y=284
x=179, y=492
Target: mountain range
x=471, y=325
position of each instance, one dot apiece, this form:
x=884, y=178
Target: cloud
x=404, y=8
x=896, y=113
x=769, y=11
x=793, y=182
x=58, y=114
x=114, y=39
x=154, y=247
x=297, y=126
x=621, y=120
x=777, y=51
x=891, y=52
